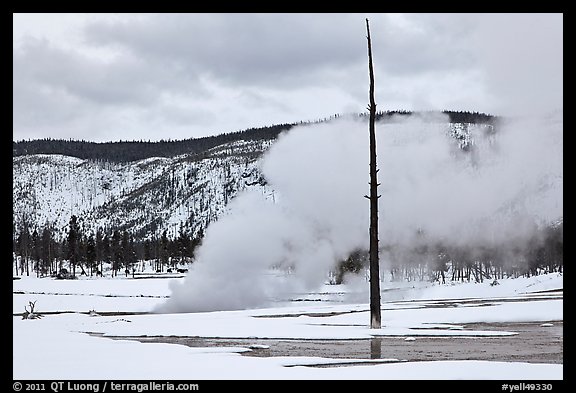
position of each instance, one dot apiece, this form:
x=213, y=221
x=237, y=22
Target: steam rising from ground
x=507, y=185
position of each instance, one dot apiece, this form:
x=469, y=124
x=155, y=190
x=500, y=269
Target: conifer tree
x=73, y=240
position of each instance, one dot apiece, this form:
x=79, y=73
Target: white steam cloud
x=509, y=182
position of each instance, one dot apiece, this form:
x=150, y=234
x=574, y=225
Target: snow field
x=59, y=346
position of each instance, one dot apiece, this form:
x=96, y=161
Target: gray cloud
x=124, y=80
x=522, y=60
x=422, y=44
x=261, y=49
x=133, y=74
x=279, y=49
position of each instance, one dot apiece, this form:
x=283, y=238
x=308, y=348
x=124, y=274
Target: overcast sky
x=103, y=77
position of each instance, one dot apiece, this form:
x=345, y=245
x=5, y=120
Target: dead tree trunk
x=375, y=318
x=30, y=314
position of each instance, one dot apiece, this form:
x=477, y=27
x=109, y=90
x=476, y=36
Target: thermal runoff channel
x=499, y=190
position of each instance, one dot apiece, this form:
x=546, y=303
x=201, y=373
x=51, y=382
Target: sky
x=108, y=77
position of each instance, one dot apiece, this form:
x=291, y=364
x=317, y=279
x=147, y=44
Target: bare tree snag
x=30, y=314
x=375, y=318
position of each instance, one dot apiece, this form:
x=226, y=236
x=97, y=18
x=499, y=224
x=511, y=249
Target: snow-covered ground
x=73, y=345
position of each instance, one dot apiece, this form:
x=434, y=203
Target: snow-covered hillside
x=149, y=196
x=146, y=196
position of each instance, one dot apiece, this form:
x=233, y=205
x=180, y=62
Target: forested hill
x=128, y=151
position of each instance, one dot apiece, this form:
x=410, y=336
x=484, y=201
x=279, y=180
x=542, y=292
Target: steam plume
x=510, y=180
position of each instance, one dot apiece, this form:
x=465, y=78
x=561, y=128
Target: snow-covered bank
x=84, y=294
x=79, y=356
x=60, y=354
x=74, y=354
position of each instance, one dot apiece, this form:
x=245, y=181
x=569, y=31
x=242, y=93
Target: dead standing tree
x=375, y=318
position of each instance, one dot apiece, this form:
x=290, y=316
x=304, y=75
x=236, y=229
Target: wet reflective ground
x=533, y=344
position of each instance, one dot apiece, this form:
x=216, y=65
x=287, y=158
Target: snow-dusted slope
x=149, y=196
x=146, y=196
